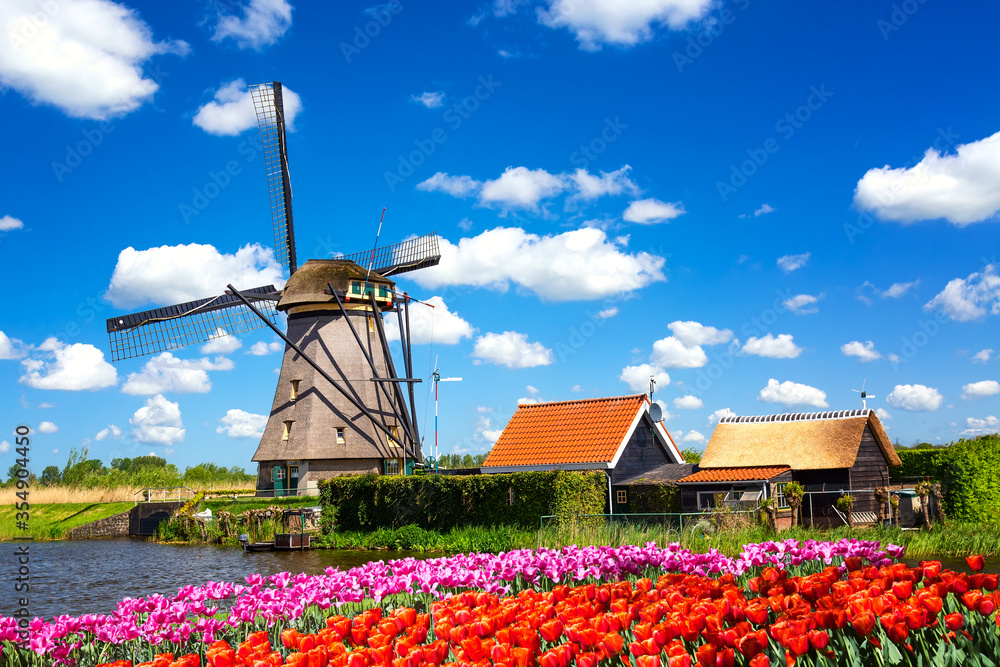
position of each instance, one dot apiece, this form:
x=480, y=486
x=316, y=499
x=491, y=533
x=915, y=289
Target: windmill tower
x=340, y=407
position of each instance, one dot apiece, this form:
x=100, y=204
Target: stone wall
x=112, y=526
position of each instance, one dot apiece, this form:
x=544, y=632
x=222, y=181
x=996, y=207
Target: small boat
x=255, y=546
x=282, y=542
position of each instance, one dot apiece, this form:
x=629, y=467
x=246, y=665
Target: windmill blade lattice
x=410, y=255
x=268, y=104
x=162, y=329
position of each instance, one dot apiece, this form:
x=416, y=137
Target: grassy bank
x=54, y=521
x=251, y=503
x=948, y=540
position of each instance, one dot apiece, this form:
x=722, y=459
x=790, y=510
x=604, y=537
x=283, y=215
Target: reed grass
x=45, y=495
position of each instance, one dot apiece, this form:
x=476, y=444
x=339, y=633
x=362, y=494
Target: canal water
x=90, y=576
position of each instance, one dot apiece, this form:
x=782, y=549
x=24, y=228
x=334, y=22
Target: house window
x=279, y=473
x=510, y=495
x=288, y=430
x=779, y=494
x=295, y=389
x=622, y=497
x=340, y=436
x=392, y=467
x=706, y=500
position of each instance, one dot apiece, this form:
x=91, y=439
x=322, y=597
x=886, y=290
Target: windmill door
x=278, y=476
x=293, y=480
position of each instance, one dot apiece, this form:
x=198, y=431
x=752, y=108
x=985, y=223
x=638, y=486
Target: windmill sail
x=410, y=255
x=267, y=102
x=162, y=329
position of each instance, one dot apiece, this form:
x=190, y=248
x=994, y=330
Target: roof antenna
x=652, y=387
x=864, y=395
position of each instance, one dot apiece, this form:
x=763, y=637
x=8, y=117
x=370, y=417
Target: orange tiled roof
x=587, y=431
x=734, y=474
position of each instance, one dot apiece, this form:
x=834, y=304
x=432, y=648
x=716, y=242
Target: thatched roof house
x=827, y=452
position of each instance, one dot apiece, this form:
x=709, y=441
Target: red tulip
x=975, y=563
x=864, y=624
x=819, y=639
x=954, y=621
x=760, y=660
x=706, y=655
x=899, y=632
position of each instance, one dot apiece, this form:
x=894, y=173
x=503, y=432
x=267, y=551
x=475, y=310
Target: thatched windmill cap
x=309, y=283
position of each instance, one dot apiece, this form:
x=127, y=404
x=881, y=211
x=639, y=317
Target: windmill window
x=340, y=436
x=355, y=288
x=392, y=467
x=295, y=389
x=395, y=436
x=371, y=324
x=288, y=430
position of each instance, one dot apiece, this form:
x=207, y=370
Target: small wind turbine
x=437, y=378
x=864, y=395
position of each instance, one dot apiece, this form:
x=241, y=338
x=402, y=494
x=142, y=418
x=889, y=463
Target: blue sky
x=763, y=205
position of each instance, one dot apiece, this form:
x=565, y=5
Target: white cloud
x=801, y=304
x=430, y=325
x=688, y=402
x=520, y=187
x=224, y=343
x=961, y=188
x=76, y=367
x=719, y=414
x=111, y=431
x=158, y=422
x=9, y=224
x=670, y=352
x=693, y=436
x=165, y=372
x=524, y=400
x=11, y=348
x=652, y=211
x=790, y=393
x=86, y=58
x=966, y=299
x=576, y=387
x=607, y=313
x=608, y=183
x=456, y=186
x=260, y=348
x=981, y=426
x=695, y=333
x=176, y=274
x=789, y=263
x=47, y=427
x=262, y=23
x=240, y=424
x=764, y=210
x=572, y=266
x=915, y=398
x=4, y=447
x=897, y=290
x=980, y=389
x=511, y=349
x=883, y=414
x=637, y=377
x=430, y=100
x=864, y=351
x=598, y=22
x=231, y=110
x=774, y=347
x=980, y=357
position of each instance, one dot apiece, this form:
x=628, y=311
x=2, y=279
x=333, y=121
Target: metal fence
x=660, y=528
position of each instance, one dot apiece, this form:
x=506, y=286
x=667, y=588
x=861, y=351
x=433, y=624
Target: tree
x=691, y=455
x=51, y=476
x=794, y=493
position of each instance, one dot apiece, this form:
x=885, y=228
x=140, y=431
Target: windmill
x=340, y=406
x=864, y=395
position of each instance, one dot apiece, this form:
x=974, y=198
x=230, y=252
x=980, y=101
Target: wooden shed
x=829, y=453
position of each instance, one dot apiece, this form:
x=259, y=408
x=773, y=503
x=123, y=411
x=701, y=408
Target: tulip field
x=807, y=603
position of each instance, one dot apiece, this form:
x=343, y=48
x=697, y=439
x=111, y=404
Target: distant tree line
x=146, y=471
x=455, y=461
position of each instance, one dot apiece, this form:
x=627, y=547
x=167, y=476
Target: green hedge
x=930, y=463
x=972, y=479
x=443, y=502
